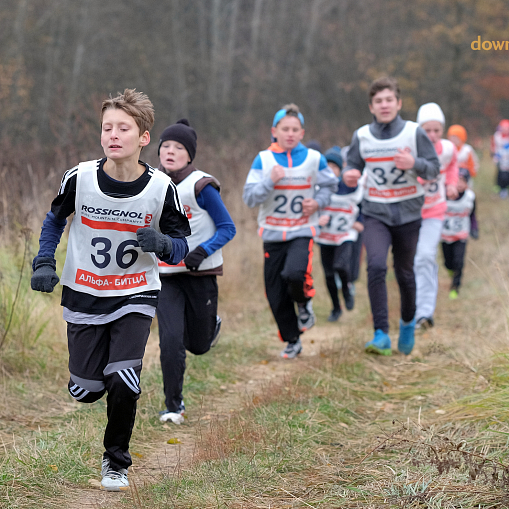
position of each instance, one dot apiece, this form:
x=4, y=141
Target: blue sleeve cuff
x=178, y=253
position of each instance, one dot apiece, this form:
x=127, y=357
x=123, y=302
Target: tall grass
x=335, y=429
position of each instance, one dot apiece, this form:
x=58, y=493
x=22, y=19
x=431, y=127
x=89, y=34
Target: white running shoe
x=175, y=417
x=305, y=316
x=113, y=480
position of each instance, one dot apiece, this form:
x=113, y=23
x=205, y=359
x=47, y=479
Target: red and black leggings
x=288, y=281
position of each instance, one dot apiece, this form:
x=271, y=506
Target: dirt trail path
x=162, y=459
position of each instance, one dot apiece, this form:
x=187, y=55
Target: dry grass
x=336, y=428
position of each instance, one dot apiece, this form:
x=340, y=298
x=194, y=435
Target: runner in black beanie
x=183, y=133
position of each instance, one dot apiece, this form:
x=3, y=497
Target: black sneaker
x=292, y=350
x=217, y=332
x=424, y=323
x=349, y=302
x=334, y=315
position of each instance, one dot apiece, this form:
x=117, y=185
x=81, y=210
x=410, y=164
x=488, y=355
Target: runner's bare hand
x=309, y=206
x=277, y=173
x=351, y=177
x=404, y=160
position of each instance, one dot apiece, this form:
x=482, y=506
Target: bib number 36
x=102, y=258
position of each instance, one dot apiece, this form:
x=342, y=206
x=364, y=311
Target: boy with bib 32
x=126, y=214
x=393, y=153
x=290, y=183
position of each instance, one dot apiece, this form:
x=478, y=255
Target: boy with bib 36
x=393, y=153
x=290, y=183
x=126, y=214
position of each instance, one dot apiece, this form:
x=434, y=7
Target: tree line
x=227, y=65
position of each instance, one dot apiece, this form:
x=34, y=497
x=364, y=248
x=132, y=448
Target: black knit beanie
x=180, y=132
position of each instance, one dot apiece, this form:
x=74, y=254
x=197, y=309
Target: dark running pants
x=108, y=358
x=356, y=257
x=378, y=238
x=337, y=259
x=454, y=256
x=186, y=314
x=502, y=178
x=288, y=281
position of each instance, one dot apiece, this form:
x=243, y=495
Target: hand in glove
x=151, y=241
x=44, y=277
x=474, y=233
x=194, y=258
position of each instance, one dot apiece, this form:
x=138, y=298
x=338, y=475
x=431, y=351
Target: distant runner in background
x=431, y=118
x=340, y=225
x=467, y=158
x=393, y=153
x=187, y=310
x=460, y=223
x=290, y=183
x=500, y=154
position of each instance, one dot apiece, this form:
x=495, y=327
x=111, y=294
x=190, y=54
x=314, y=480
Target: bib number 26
x=102, y=258
x=295, y=205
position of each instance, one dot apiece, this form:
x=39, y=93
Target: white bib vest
x=103, y=256
x=435, y=189
x=202, y=226
x=282, y=210
x=385, y=183
x=343, y=211
x=457, y=218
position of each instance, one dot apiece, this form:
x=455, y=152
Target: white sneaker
x=305, y=316
x=174, y=417
x=113, y=480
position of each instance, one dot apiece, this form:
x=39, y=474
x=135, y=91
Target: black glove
x=474, y=233
x=44, y=277
x=194, y=258
x=151, y=241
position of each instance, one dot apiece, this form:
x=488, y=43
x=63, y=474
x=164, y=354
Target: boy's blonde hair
x=135, y=104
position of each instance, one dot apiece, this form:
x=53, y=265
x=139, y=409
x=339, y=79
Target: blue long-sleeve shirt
x=210, y=200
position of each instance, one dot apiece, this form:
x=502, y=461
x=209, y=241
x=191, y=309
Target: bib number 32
x=397, y=180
